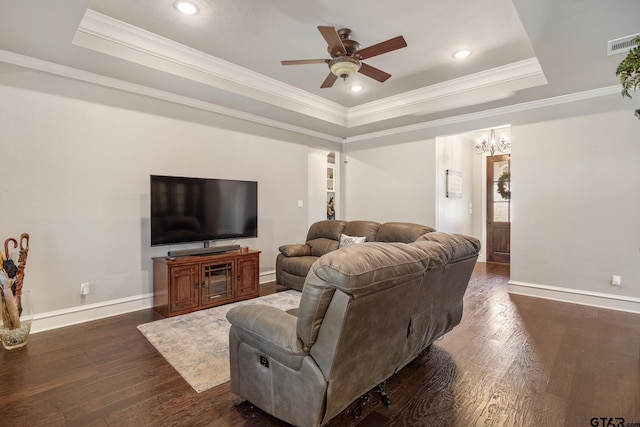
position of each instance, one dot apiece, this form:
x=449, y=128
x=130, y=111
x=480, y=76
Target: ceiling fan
x=347, y=55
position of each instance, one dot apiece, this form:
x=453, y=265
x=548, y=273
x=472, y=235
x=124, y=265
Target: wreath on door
x=504, y=192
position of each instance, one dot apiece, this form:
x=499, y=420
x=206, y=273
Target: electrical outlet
x=84, y=289
x=616, y=280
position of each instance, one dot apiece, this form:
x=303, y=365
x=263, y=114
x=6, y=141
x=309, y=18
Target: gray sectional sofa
x=294, y=260
x=365, y=312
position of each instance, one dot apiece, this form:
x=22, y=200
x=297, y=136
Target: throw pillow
x=350, y=240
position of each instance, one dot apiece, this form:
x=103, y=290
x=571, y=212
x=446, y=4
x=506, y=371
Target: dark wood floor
x=513, y=361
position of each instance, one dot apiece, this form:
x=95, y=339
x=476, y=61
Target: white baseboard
x=86, y=313
x=267, y=276
x=576, y=296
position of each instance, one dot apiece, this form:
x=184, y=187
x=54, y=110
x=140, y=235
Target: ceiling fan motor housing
x=350, y=46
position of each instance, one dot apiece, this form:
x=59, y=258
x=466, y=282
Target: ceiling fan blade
x=383, y=47
x=304, y=61
x=329, y=81
x=336, y=48
x=374, y=73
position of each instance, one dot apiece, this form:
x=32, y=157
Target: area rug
x=197, y=344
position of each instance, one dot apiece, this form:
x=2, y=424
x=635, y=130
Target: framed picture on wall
x=454, y=184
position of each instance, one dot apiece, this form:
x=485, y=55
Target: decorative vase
x=17, y=337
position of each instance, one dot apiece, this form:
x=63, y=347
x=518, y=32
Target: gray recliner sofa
x=365, y=312
x=294, y=260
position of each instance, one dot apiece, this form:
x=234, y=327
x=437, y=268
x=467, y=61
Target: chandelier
x=492, y=146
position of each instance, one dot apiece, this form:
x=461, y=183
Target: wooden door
x=499, y=208
x=184, y=287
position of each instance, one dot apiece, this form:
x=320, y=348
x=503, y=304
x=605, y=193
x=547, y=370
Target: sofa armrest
x=269, y=330
x=295, y=250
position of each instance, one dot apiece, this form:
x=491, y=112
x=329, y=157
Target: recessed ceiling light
x=186, y=7
x=356, y=88
x=460, y=54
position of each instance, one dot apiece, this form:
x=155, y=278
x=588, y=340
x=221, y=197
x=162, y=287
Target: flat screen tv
x=187, y=210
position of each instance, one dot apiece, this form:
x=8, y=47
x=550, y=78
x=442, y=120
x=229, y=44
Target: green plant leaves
x=629, y=70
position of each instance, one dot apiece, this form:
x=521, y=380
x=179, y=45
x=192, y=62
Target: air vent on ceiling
x=621, y=45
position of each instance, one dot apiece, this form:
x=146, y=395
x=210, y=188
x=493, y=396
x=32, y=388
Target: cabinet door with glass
x=217, y=282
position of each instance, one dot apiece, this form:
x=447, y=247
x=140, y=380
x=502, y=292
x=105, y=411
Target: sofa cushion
x=404, y=232
x=460, y=246
x=298, y=266
x=368, y=229
x=323, y=246
x=350, y=240
x=324, y=236
x=439, y=254
x=357, y=268
x=329, y=229
x=293, y=281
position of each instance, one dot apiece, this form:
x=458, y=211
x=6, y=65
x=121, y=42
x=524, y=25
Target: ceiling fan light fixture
x=186, y=7
x=344, y=66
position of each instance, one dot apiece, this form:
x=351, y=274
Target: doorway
x=323, y=186
x=473, y=214
x=498, y=222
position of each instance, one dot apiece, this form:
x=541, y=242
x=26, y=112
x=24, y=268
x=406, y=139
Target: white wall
x=75, y=176
x=391, y=183
x=455, y=152
x=576, y=203
x=576, y=198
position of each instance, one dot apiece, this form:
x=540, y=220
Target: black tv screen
x=200, y=209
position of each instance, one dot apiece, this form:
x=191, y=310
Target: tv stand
x=190, y=283
x=203, y=251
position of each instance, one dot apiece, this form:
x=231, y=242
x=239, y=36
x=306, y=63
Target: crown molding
x=116, y=38
x=489, y=85
x=494, y=112
x=100, y=80
x=110, y=36
x=97, y=79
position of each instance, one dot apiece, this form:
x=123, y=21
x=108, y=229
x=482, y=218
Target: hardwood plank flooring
x=513, y=361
